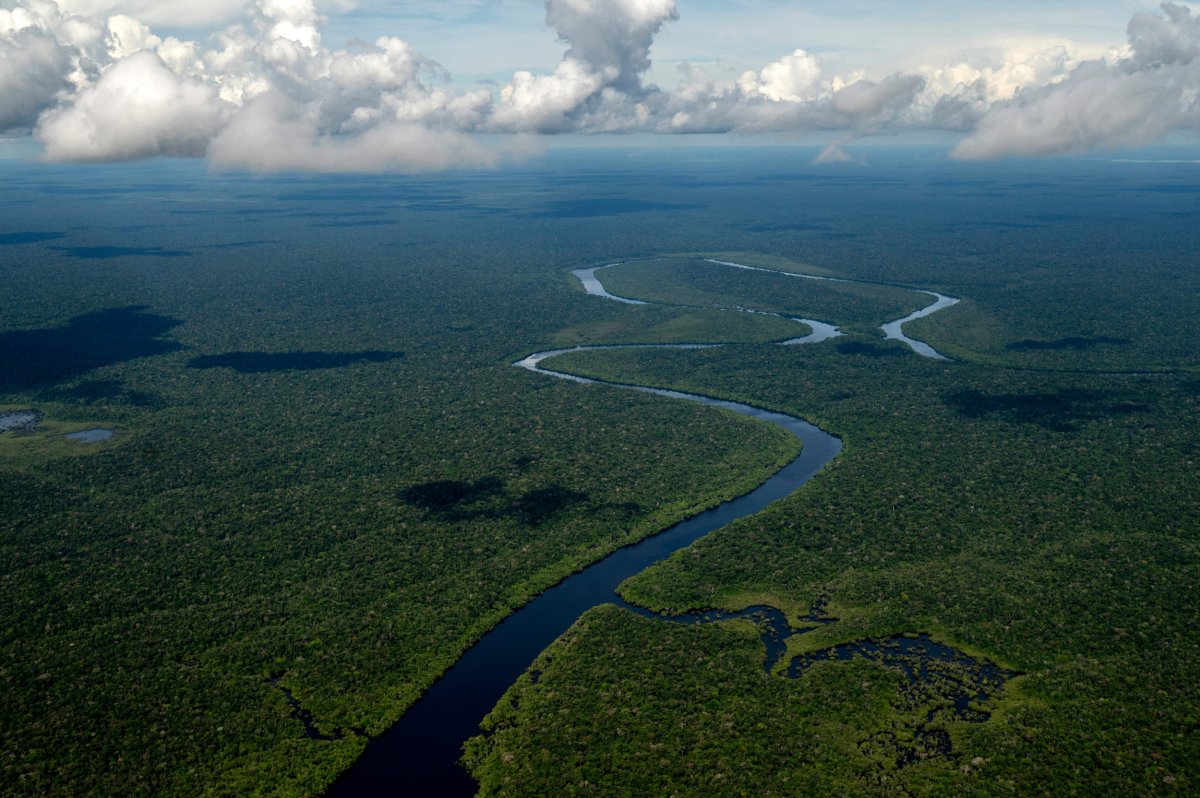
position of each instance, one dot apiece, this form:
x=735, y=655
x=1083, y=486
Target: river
x=419, y=755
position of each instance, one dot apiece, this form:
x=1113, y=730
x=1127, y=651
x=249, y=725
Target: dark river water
x=419, y=755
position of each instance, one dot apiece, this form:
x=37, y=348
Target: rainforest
x=713, y=473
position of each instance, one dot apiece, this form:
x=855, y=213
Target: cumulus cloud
x=95, y=81
x=1157, y=41
x=139, y=108
x=866, y=99
x=546, y=103
x=792, y=78
x=186, y=13
x=33, y=70
x=844, y=103
x=611, y=36
x=127, y=36
x=273, y=134
x=262, y=94
x=598, y=84
x=1127, y=101
x=1096, y=108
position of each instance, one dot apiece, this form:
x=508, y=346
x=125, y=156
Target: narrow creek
x=419, y=755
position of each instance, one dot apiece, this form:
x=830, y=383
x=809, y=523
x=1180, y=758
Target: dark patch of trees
x=1073, y=342
x=262, y=362
x=1063, y=410
x=44, y=357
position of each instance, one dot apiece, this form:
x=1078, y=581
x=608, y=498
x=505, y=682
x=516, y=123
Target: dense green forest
x=329, y=479
x=1045, y=521
x=329, y=473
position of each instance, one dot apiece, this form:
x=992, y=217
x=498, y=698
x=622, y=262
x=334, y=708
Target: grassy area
x=653, y=324
x=697, y=282
x=48, y=441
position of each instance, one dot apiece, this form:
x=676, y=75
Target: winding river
x=419, y=755
x=893, y=330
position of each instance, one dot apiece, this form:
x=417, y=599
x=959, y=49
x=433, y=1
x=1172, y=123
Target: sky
x=411, y=85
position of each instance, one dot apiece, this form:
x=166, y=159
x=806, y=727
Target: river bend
x=419, y=755
x=821, y=331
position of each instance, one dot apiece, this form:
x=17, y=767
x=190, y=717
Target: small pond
x=11, y=420
x=97, y=435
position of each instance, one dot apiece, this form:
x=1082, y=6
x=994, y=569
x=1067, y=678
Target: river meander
x=419, y=754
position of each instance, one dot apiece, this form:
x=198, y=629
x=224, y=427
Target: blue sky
x=490, y=39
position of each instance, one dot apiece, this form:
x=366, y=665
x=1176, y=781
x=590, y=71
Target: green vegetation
x=677, y=711
x=697, y=282
x=269, y=513
x=1044, y=521
x=48, y=441
x=333, y=478
x=653, y=324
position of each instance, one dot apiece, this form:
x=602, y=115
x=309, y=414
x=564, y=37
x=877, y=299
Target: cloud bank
x=265, y=93
x=1151, y=88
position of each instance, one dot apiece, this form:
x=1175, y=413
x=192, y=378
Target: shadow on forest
x=454, y=500
x=437, y=207
x=794, y=227
x=40, y=358
x=242, y=244
x=995, y=225
x=358, y=223
x=869, y=349
x=98, y=391
x=260, y=362
x=106, y=253
x=539, y=506
x=1062, y=411
x=1075, y=343
x=451, y=495
x=11, y=239
x=355, y=214
x=588, y=208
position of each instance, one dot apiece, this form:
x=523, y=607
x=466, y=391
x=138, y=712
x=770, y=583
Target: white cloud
x=611, y=36
x=792, y=78
x=956, y=95
x=1160, y=40
x=1127, y=101
x=98, y=82
x=179, y=13
x=598, y=83
x=543, y=103
x=292, y=21
x=139, y=108
x=33, y=70
x=271, y=134
x=127, y=36
x=879, y=102
x=1095, y=108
